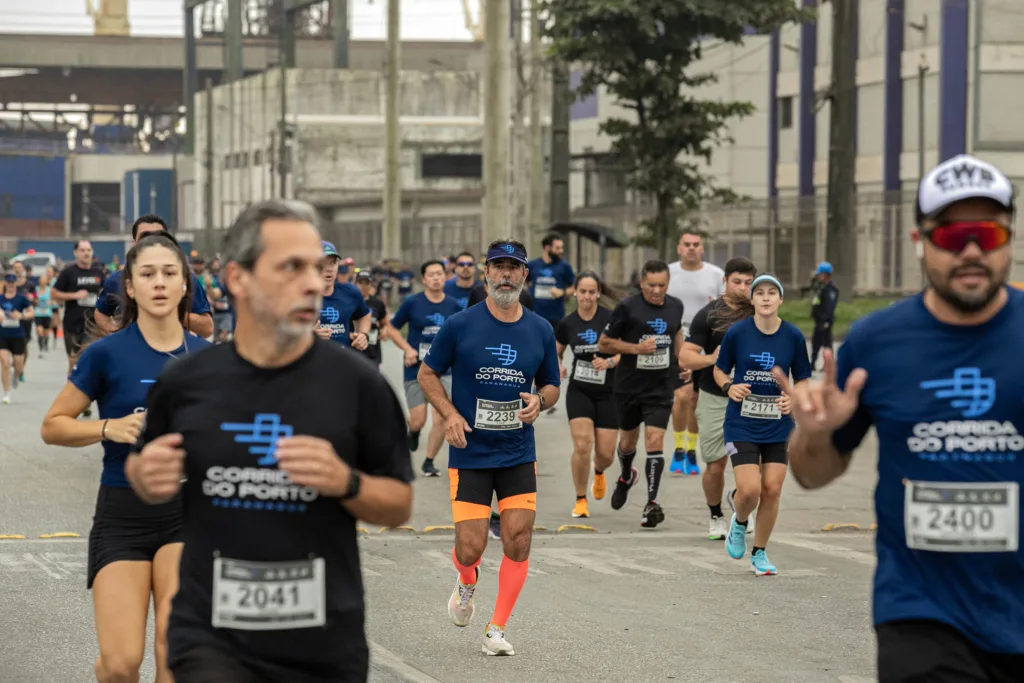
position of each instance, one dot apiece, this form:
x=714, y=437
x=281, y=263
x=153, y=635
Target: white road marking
x=383, y=657
x=801, y=541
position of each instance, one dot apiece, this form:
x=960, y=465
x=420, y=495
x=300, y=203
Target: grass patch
x=798, y=312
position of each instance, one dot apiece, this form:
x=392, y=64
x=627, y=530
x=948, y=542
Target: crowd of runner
x=209, y=449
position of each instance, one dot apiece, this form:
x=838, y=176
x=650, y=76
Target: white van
x=37, y=260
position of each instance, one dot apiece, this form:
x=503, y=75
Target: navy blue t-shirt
x=117, y=372
x=424, y=319
x=492, y=362
x=109, y=300
x=345, y=303
x=404, y=278
x=544, y=276
x=459, y=294
x=946, y=403
x=9, y=327
x=753, y=354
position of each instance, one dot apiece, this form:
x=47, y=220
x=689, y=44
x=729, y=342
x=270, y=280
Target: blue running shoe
x=731, y=500
x=679, y=462
x=736, y=541
x=761, y=565
x=692, y=468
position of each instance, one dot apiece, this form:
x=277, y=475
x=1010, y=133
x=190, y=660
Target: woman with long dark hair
x=589, y=402
x=134, y=548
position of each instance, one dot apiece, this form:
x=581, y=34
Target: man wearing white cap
x=937, y=376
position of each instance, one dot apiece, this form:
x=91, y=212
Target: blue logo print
x=658, y=325
x=589, y=336
x=263, y=432
x=546, y=272
x=437, y=318
x=973, y=394
x=331, y=315
x=764, y=359
x=508, y=248
x=505, y=353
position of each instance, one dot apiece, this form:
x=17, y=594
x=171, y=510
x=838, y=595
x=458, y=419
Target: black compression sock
x=756, y=548
x=741, y=523
x=583, y=497
x=716, y=510
x=626, y=462
x=655, y=466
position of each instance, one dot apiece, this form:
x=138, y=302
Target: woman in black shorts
x=593, y=421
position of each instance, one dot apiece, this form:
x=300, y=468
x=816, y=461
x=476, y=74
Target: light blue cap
x=771, y=279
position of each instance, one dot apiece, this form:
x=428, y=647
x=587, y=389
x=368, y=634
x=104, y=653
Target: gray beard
x=504, y=298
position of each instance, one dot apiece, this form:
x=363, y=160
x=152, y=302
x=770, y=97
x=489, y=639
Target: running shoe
x=622, y=488
x=736, y=541
x=692, y=466
x=494, y=527
x=678, y=465
x=460, y=604
x=653, y=516
x=600, y=486
x=731, y=500
x=761, y=565
x=429, y=470
x=6, y=399
x=717, y=529
x=580, y=508
x=414, y=441
x=495, y=643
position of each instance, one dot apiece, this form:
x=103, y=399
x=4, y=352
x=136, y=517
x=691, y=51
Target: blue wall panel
x=65, y=249
x=147, y=191
x=32, y=187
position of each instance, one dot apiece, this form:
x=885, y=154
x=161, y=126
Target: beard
x=555, y=258
x=966, y=302
x=504, y=297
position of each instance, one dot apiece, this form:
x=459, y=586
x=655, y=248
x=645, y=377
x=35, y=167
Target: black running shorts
x=27, y=326
x=651, y=409
x=74, y=339
x=919, y=650
x=599, y=408
x=125, y=529
x=471, y=490
x=16, y=345
x=747, y=453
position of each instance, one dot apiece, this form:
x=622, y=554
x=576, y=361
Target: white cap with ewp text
x=959, y=178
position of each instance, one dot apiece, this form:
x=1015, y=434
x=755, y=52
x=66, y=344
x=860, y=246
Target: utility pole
x=520, y=185
x=208, y=166
x=561, y=95
x=922, y=71
x=841, y=235
x=496, y=122
x=391, y=239
x=535, y=202
x=283, y=162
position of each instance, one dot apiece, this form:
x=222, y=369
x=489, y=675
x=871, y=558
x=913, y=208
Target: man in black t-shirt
x=647, y=331
x=78, y=287
x=700, y=351
x=378, y=316
x=283, y=441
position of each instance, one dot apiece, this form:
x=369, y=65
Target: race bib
x=268, y=596
x=543, y=288
x=424, y=347
x=585, y=372
x=10, y=323
x=373, y=336
x=498, y=415
x=88, y=302
x=949, y=517
x=760, y=407
x=653, y=361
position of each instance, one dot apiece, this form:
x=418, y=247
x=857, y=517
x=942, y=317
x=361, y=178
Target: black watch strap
x=726, y=387
x=355, y=481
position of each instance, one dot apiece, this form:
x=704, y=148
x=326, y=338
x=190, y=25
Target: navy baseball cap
x=506, y=250
x=329, y=249
x=10, y=277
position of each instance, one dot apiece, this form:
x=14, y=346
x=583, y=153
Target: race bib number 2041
x=268, y=596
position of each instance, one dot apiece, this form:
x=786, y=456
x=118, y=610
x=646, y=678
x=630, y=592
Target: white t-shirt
x=695, y=288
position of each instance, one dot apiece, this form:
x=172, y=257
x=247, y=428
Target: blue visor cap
x=770, y=279
x=506, y=251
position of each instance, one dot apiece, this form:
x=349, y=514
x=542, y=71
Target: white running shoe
x=717, y=529
x=6, y=399
x=460, y=604
x=495, y=644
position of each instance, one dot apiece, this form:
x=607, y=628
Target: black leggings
x=932, y=652
x=821, y=338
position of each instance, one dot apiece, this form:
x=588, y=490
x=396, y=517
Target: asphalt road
x=616, y=603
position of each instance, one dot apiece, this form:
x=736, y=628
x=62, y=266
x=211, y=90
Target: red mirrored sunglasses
x=955, y=236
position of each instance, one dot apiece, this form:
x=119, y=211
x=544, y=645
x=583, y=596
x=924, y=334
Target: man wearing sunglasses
x=460, y=286
x=938, y=376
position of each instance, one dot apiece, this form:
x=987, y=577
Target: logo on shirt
x=330, y=314
x=546, y=272
x=971, y=393
x=436, y=318
x=504, y=353
x=764, y=359
x=263, y=433
x=588, y=336
x=658, y=326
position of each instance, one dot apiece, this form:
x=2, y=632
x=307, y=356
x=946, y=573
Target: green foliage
x=641, y=53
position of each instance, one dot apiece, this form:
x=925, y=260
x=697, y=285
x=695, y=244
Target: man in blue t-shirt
x=461, y=286
x=937, y=376
x=108, y=303
x=551, y=280
x=15, y=308
x=496, y=352
x=424, y=313
x=342, y=303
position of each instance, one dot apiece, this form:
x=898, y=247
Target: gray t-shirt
x=695, y=288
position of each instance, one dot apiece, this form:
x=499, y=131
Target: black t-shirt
x=378, y=312
x=479, y=293
x=633, y=321
x=704, y=335
x=581, y=336
x=240, y=508
x=72, y=279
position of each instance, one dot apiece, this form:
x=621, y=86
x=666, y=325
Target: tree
x=642, y=53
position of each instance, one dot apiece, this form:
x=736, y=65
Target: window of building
x=433, y=166
x=785, y=112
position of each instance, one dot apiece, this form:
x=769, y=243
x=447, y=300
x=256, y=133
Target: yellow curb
x=397, y=528
x=60, y=534
x=362, y=530
x=444, y=527
x=540, y=528
x=12, y=537
x=578, y=527
x=841, y=527
x=873, y=527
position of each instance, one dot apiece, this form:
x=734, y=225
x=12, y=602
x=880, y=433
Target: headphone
x=184, y=288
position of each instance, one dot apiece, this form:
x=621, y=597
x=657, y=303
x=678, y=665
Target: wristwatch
x=355, y=481
x=541, y=401
x=726, y=387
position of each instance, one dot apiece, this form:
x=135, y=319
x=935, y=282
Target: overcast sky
x=421, y=19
